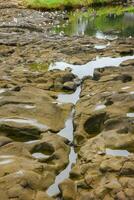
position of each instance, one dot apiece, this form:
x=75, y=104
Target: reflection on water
x=70, y=98
x=67, y=132
x=88, y=69
x=54, y=189
x=104, y=26
x=117, y=152
x=103, y=46
x=130, y=114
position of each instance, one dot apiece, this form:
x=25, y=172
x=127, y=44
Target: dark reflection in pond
x=98, y=23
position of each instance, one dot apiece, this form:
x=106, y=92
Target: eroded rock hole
x=108, y=102
x=95, y=124
x=19, y=134
x=44, y=148
x=124, y=78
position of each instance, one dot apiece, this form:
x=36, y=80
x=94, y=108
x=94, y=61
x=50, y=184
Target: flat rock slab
x=31, y=108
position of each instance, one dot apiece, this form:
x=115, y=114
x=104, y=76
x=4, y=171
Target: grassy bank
x=118, y=10
x=54, y=4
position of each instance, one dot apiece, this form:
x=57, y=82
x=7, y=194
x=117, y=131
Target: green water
x=100, y=23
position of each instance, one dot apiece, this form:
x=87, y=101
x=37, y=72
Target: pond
x=107, y=23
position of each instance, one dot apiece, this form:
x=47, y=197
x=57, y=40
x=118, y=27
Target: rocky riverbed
x=66, y=110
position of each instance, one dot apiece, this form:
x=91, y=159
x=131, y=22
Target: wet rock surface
x=32, y=151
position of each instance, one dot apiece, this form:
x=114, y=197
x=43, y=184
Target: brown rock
x=68, y=190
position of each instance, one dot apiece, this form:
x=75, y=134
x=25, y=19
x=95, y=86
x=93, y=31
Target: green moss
x=54, y=4
x=39, y=66
x=118, y=10
x=50, y=4
x=115, y=10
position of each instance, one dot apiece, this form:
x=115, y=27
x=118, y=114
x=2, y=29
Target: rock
x=42, y=196
x=4, y=140
x=128, y=62
x=129, y=193
x=69, y=86
x=96, y=75
x=127, y=169
x=82, y=184
x=95, y=123
x=75, y=172
x=113, y=185
x=125, y=50
x=58, y=86
x=28, y=172
x=108, y=197
x=26, y=104
x=108, y=166
x=68, y=190
x=121, y=196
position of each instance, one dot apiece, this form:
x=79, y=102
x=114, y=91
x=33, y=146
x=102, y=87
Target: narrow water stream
x=67, y=132
x=70, y=98
x=54, y=189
